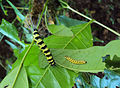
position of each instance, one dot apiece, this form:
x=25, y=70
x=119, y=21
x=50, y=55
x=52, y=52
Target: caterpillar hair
x=43, y=47
x=74, y=61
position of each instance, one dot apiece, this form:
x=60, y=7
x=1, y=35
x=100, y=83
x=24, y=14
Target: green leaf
x=92, y=55
x=51, y=77
x=16, y=11
x=112, y=49
x=21, y=81
x=82, y=38
x=18, y=70
x=11, y=44
x=32, y=56
x=35, y=55
x=10, y=31
x=69, y=21
x=60, y=30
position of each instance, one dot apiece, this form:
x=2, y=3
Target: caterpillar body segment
x=75, y=61
x=43, y=47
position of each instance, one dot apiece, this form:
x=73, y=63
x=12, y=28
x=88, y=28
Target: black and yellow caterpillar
x=6, y=86
x=74, y=61
x=43, y=47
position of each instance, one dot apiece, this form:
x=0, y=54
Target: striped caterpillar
x=6, y=86
x=43, y=47
x=74, y=61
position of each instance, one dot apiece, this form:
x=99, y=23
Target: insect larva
x=7, y=86
x=74, y=61
x=43, y=47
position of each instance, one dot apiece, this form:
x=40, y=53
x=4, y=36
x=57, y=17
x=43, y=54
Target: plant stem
x=20, y=66
x=42, y=13
x=94, y=21
x=16, y=7
x=46, y=18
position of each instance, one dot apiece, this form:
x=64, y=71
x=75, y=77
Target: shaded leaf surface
x=32, y=56
x=58, y=76
x=10, y=31
x=82, y=38
x=69, y=21
x=21, y=82
x=60, y=30
x=92, y=55
x=55, y=77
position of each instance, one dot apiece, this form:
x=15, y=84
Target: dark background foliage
x=104, y=11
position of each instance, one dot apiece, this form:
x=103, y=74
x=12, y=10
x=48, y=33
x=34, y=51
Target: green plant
x=70, y=38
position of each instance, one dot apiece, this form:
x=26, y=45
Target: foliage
x=110, y=80
x=70, y=37
x=10, y=31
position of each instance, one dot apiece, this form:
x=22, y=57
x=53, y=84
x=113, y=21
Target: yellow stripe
x=74, y=61
x=43, y=50
x=42, y=45
x=36, y=35
x=51, y=61
x=39, y=40
x=49, y=57
x=47, y=53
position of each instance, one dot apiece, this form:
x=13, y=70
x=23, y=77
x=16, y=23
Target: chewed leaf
x=114, y=63
x=92, y=55
x=93, y=59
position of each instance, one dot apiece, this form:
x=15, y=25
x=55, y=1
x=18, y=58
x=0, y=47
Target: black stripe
x=38, y=37
x=36, y=33
x=6, y=86
x=44, y=47
x=47, y=51
x=35, y=29
x=40, y=43
x=52, y=63
x=50, y=59
x=48, y=55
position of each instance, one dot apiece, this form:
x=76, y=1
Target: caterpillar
x=43, y=47
x=7, y=86
x=75, y=61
